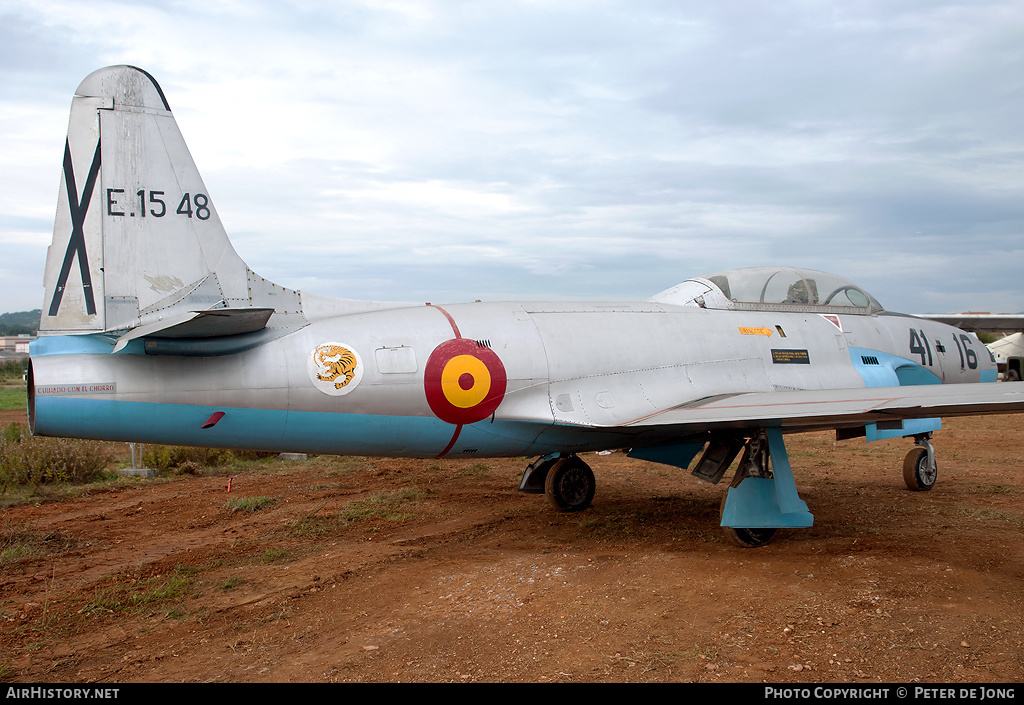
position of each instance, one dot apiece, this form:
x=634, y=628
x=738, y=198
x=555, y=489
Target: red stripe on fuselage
x=451, y=320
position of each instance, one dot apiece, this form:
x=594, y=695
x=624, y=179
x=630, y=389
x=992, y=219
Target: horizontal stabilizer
x=212, y=323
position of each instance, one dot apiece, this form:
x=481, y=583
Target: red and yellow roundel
x=464, y=381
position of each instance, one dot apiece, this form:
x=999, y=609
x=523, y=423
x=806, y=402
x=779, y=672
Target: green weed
x=272, y=555
x=313, y=526
x=188, y=460
x=34, y=461
x=392, y=506
x=138, y=594
x=13, y=398
x=249, y=504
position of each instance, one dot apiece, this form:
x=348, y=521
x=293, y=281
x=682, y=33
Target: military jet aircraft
x=154, y=330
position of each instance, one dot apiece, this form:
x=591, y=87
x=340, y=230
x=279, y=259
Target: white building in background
x=16, y=344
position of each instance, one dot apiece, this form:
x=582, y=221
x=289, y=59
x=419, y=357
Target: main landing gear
x=567, y=481
x=761, y=498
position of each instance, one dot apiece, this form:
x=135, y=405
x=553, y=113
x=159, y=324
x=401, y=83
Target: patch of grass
x=13, y=433
x=137, y=594
x=476, y=470
x=314, y=526
x=984, y=514
x=699, y=652
x=850, y=529
x=272, y=555
x=615, y=527
x=13, y=398
x=174, y=613
x=348, y=464
x=231, y=583
x=392, y=506
x=993, y=489
x=172, y=588
x=249, y=504
x=15, y=553
x=18, y=543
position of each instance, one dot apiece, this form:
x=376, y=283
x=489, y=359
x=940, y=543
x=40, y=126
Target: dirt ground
x=427, y=570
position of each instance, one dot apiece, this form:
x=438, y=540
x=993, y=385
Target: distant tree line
x=20, y=322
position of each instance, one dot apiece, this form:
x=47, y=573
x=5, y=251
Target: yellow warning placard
x=791, y=357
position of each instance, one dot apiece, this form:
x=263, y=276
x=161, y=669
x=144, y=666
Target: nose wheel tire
x=570, y=485
x=919, y=474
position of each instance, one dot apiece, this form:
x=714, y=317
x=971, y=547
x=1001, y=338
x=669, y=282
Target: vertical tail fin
x=138, y=248
x=136, y=237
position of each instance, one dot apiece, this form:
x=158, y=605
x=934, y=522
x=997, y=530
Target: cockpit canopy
x=774, y=289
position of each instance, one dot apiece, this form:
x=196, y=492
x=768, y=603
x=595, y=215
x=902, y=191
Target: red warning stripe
x=451, y=320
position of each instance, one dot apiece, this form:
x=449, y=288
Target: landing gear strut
x=754, y=463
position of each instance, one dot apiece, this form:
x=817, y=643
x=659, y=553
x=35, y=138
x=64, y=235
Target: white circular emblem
x=334, y=368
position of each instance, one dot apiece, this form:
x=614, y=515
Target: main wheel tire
x=1013, y=376
x=570, y=485
x=749, y=538
x=745, y=538
x=917, y=473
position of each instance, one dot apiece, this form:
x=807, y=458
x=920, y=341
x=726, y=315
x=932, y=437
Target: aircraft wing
x=830, y=408
x=975, y=322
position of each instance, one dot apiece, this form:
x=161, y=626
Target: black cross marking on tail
x=76, y=244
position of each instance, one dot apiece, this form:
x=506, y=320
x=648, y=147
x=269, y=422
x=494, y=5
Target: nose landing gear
x=920, y=470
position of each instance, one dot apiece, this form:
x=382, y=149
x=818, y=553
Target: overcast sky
x=449, y=151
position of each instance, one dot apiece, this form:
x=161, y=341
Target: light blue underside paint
x=894, y=371
x=679, y=455
x=79, y=344
x=909, y=427
x=294, y=431
x=182, y=347
x=891, y=370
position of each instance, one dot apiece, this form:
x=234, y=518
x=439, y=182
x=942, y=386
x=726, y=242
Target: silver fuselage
x=577, y=375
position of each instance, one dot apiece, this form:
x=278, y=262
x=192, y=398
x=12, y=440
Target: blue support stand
x=762, y=503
